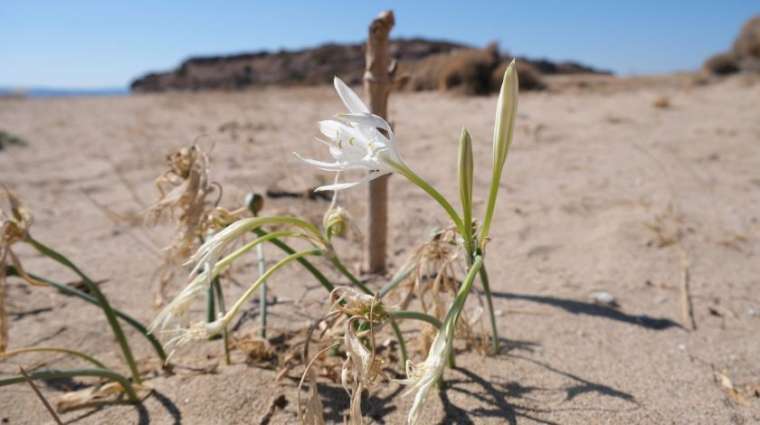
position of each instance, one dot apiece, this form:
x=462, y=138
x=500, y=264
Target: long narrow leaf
x=303, y=261
x=81, y=355
x=71, y=373
x=102, y=302
x=66, y=289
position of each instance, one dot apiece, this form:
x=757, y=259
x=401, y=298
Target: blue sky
x=88, y=44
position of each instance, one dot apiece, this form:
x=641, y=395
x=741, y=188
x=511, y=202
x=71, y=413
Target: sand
x=598, y=182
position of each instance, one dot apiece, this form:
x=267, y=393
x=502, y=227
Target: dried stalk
x=378, y=81
x=42, y=398
x=687, y=307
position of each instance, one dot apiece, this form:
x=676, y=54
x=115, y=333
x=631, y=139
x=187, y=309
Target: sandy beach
x=603, y=191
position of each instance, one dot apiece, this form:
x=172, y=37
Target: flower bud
x=336, y=222
x=254, y=202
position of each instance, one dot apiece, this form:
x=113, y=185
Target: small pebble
x=754, y=311
x=604, y=298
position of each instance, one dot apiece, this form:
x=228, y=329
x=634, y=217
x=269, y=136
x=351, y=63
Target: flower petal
x=327, y=166
x=341, y=186
x=368, y=120
x=330, y=128
x=349, y=97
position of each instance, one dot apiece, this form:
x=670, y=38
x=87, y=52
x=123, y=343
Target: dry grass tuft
x=434, y=284
x=257, y=350
x=14, y=227
x=184, y=191
x=722, y=64
x=530, y=76
x=8, y=139
x=466, y=71
x=662, y=102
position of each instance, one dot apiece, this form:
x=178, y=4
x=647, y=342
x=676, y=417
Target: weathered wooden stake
x=378, y=80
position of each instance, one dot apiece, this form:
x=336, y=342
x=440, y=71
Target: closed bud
x=254, y=202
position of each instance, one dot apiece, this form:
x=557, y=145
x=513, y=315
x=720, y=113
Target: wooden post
x=378, y=80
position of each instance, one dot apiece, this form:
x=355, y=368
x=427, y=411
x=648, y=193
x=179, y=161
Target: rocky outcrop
x=318, y=66
x=744, y=55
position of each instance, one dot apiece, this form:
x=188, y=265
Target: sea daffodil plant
x=360, y=140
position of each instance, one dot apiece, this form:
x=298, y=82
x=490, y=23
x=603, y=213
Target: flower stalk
x=465, y=188
x=262, y=291
x=423, y=377
x=506, y=112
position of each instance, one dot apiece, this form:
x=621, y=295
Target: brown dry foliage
x=529, y=76
x=14, y=227
x=183, y=190
x=722, y=64
x=662, y=102
x=466, y=71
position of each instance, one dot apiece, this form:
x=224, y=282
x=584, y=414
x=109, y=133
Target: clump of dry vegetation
x=722, y=64
x=662, y=102
x=466, y=71
x=530, y=76
x=8, y=139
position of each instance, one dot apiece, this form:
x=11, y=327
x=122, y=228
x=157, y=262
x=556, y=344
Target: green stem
x=430, y=190
x=66, y=289
x=70, y=373
x=398, y=278
x=493, y=193
x=452, y=362
x=227, y=261
x=262, y=292
x=416, y=315
x=491, y=314
x=75, y=353
x=211, y=301
x=341, y=268
x=102, y=302
x=254, y=223
x=452, y=317
x=249, y=292
x=401, y=342
x=465, y=186
x=504, y=124
x=222, y=309
x=303, y=261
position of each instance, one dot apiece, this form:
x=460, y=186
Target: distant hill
x=312, y=66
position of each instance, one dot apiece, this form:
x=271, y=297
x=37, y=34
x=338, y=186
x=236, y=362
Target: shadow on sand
x=501, y=399
x=590, y=309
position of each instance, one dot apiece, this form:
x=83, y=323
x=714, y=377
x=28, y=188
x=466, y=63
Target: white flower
x=358, y=140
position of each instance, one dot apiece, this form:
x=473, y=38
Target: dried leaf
x=88, y=397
